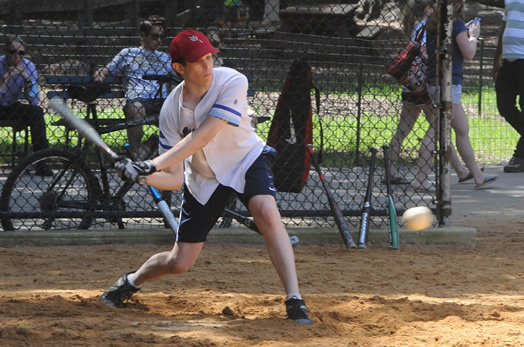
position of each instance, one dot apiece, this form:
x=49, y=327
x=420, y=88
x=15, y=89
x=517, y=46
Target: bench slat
x=65, y=79
x=117, y=94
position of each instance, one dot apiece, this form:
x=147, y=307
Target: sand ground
x=422, y=295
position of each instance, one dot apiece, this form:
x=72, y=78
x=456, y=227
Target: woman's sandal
x=487, y=181
x=469, y=176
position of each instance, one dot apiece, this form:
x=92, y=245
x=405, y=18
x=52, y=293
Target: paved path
x=504, y=200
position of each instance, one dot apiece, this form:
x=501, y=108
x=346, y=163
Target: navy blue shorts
x=196, y=220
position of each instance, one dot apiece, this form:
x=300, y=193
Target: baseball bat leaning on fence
x=392, y=211
x=91, y=135
x=366, y=210
x=335, y=210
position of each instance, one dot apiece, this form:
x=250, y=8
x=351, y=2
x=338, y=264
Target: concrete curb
x=436, y=236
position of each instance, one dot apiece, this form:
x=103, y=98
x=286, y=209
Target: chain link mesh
x=347, y=46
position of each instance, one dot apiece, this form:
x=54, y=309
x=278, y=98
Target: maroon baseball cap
x=190, y=45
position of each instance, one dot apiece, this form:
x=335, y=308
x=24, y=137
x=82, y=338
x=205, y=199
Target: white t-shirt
x=231, y=152
x=513, y=39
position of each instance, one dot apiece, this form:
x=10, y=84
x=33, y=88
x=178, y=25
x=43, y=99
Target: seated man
x=142, y=96
x=19, y=74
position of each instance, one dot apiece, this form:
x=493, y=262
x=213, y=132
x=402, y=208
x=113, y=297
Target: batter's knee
x=134, y=110
x=178, y=266
x=266, y=215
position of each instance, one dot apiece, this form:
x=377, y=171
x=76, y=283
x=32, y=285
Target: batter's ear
x=179, y=68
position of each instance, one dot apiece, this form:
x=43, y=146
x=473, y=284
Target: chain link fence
x=347, y=46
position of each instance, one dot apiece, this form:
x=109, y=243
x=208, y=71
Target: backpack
x=291, y=129
x=409, y=68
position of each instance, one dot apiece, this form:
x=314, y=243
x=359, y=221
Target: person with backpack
x=416, y=13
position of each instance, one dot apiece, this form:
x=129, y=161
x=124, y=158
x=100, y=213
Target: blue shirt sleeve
x=32, y=95
x=458, y=27
x=457, y=60
x=116, y=65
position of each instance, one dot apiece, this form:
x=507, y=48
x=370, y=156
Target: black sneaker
x=297, y=310
x=119, y=292
x=515, y=165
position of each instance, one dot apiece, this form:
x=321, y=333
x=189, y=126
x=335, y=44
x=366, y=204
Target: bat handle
x=126, y=147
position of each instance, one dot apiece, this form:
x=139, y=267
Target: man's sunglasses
x=157, y=36
x=14, y=51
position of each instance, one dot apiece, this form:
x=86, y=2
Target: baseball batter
x=209, y=147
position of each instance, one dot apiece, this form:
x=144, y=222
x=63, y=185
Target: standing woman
x=464, y=48
x=416, y=13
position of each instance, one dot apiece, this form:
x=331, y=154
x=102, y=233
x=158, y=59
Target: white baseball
x=418, y=218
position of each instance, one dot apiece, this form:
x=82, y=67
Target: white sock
x=130, y=280
x=293, y=296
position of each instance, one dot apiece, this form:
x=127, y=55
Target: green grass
x=492, y=138
x=56, y=135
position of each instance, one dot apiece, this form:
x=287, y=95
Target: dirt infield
x=422, y=295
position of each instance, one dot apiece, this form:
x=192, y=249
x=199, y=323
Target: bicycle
x=75, y=195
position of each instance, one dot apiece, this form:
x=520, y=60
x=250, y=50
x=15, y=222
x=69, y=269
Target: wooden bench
x=83, y=89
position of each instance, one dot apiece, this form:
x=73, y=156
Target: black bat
x=250, y=224
x=366, y=210
x=392, y=211
x=246, y=221
x=335, y=210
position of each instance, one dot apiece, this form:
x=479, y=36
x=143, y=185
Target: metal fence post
x=359, y=113
x=481, y=75
x=444, y=182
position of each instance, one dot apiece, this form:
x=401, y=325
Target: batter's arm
x=190, y=144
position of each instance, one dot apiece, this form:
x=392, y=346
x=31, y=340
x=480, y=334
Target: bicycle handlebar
x=128, y=124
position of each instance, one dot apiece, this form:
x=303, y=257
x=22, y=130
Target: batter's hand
x=134, y=170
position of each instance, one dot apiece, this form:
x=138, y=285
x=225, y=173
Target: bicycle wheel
x=72, y=188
